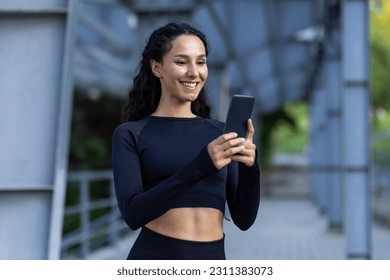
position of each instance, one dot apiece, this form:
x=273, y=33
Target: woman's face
x=183, y=69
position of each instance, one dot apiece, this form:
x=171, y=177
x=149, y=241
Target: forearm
x=244, y=199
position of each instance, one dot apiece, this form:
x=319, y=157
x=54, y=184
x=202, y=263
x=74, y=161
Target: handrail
x=380, y=178
x=92, y=234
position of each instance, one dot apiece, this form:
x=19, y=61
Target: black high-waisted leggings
x=151, y=245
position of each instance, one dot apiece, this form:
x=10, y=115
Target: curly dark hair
x=144, y=96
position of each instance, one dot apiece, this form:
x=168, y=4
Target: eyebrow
x=186, y=56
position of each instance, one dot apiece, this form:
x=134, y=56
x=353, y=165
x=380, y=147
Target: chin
x=191, y=97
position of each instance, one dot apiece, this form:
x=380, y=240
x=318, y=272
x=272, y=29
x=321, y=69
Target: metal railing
x=97, y=220
x=380, y=180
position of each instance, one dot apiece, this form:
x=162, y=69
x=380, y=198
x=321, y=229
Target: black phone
x=240, y=110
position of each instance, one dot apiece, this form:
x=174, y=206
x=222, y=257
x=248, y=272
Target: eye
x=181, y=62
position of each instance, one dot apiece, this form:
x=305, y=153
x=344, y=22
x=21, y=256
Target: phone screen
x=240, y=111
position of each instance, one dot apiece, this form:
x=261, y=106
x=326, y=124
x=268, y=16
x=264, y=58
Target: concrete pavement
x=286, y=229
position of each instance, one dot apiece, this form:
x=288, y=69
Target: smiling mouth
x=189, y=85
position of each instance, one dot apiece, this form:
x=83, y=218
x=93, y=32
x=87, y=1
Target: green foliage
x=93, y=122
x=90, y=153
x=71, y=222
x=381, y=122
x=380, y=70
x=380, y=82
x=381, y=126
x=380, y=55
x=292, y=140
x=283, y=131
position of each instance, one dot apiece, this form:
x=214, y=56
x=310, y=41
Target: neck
x=161, y=113
x=183, y=111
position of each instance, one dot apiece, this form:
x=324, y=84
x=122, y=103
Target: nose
x=192, y=70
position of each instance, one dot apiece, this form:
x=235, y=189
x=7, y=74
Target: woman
x=173, y=168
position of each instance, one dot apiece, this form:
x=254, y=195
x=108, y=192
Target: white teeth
x=189, y=85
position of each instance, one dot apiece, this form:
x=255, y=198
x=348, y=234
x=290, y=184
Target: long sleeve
x=138, y=207
x=243, y=193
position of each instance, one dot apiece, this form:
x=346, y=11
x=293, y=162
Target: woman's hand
x=248, y=154
x=228, y=147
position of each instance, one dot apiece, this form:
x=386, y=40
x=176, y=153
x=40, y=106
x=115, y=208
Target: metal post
x=63, y=132
x=35, y=101
x=318, y=139
x=113, y=227
x=84, y=215
x=322, y=130
x=314, y=147
x=332, y=70
x=355, y=127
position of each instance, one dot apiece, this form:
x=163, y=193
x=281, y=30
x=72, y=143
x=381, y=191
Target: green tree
x=380, y=55
x=270, y=124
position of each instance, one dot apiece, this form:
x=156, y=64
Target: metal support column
x=355, y=127
x=35, y=105
x=313, y=155
x=318, y=145
x=332, y=70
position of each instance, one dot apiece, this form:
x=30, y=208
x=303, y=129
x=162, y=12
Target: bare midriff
x=195, y=224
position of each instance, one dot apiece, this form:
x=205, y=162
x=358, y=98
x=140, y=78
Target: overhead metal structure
x=267, y=49
x=279, y=51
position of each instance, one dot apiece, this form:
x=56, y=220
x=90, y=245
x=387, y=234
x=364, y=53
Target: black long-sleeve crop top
x=160, y=163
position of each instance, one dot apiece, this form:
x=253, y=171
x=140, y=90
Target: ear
x=156, y=68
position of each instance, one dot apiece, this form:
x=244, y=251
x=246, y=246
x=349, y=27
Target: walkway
x=287, y=229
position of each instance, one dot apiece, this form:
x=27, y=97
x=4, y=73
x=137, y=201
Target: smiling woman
x=182, y=73
x=174, y=169
x=144, y=97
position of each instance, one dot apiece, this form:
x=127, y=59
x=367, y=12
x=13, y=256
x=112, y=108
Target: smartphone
x=240, y=110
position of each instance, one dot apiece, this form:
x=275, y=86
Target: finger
x=232, y=151
x=249, y=145
x=244, y=153
x=226, y=149
x=251, y=130
x=247, y=160
x=225, y=137
x=215, y=145
x=232, y=143
x=222, y=158
x=249, y=149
